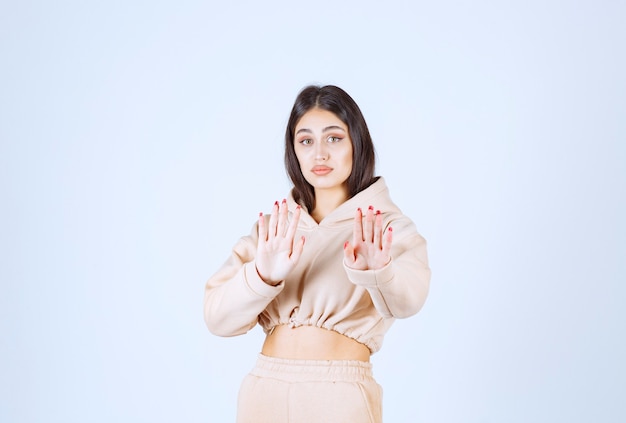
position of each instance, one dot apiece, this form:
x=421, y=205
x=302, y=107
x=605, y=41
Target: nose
x=321, y=151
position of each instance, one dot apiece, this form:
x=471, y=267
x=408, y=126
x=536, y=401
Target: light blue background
x=139, y=140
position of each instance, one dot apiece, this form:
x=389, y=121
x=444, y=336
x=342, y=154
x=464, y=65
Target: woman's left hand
x=370, y=247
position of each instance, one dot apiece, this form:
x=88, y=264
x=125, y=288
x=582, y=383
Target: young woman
x=325, y=274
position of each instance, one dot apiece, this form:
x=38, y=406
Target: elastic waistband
x=290, y=370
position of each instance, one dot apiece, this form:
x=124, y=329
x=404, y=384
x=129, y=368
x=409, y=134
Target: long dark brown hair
x=338, y=102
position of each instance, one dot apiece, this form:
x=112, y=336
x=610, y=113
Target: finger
x=388, y=238
x=282, y=219
x=378, y=230
x=262, y=228
x=348, y=253
x=297, y=250
x=357, y=236
x=368, y=227
x=271, y=230
x=293, y=225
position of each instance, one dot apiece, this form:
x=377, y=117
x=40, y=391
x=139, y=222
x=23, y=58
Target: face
x=324, y=150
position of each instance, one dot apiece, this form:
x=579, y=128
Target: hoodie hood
x=376, y=195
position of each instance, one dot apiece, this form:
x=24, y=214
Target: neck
x=328, y=200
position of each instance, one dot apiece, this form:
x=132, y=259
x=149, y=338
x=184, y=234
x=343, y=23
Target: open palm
x=277, y=253
x=370, y=247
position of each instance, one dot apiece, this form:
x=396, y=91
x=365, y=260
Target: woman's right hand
x=277, y=251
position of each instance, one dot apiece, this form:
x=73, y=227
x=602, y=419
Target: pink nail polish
x=371, y=207
x=390, y=229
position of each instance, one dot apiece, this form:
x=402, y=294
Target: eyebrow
x=328, y=128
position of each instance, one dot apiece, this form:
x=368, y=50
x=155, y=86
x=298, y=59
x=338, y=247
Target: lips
x=321, y=170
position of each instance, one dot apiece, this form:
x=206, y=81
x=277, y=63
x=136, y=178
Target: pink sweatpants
x=309, y=391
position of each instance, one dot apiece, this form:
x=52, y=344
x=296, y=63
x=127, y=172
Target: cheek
x=302, y=161
x=347, y=159
x=299, y=156
x=349, y=166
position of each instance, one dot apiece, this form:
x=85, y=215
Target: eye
x=334, y=139
x=306, y=141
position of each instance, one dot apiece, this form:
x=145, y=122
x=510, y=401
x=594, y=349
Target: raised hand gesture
x=370, y=247
x=277, y=253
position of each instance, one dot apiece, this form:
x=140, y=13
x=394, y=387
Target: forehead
x=318, y=119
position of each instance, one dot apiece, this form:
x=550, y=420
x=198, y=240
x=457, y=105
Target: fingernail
x=298, y=207
x=390, y=229
x=371, y=207
x=377, y=212
x=275, y=203
x=261, y=214
x=345, y=245
x=359, y=210
x=284, y=201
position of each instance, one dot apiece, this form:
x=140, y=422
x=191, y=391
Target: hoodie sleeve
x=235, y=295
x=400, y=288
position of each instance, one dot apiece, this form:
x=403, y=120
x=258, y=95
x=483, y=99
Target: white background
x=139, y=141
